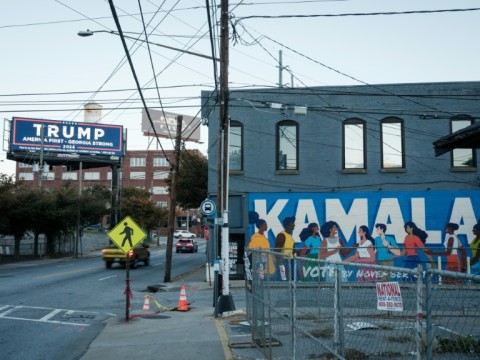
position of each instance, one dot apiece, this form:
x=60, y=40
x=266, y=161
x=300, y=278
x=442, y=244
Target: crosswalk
x=51, y=315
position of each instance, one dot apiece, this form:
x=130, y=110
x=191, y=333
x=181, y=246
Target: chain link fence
x=88, y=244
x=314, y=309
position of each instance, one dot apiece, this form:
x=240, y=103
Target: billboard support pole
x=173, y=201
x=40, y=166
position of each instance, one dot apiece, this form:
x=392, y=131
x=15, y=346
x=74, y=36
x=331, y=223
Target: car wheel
x=147, y=261
x=196, y=249
x=108, y=264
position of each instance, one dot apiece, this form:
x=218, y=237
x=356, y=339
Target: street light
x=88, y=32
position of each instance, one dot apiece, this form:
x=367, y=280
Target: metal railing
x=351, y=311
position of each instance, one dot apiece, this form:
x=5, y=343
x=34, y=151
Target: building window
x=462, y=158
x=160, y=175
x=91, y=176
x=69, y=175
x=287, y=145
x=392, y=139
x=354, y=145
x=159, y=190
x=138, y=161
x=48, y=176
x=160, y=161
x=25, y=176
x=22, y=165
x=137, y=175
x=235, y=146
x=162, y=204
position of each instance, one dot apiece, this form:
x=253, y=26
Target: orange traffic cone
x=182, y=303
x=146, y=304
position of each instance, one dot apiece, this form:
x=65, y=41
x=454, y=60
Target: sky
x=49, y=72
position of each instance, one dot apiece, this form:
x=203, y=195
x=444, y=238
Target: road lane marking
x=68, y=272
x=10, y=311
x=49, y=316
x=108, y=277
x=49, y=321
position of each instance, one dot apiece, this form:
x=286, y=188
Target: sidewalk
x=194, y=334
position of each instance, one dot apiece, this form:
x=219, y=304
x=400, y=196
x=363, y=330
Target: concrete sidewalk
x=162, y=334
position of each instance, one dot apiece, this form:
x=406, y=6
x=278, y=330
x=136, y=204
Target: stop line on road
x=51, y=315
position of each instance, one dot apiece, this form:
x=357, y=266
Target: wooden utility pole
x=173, y=201
x=225, y=301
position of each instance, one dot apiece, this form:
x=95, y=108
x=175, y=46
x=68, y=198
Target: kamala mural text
x=430, y=210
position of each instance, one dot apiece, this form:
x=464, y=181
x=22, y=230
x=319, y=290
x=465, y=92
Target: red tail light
x=130, y=253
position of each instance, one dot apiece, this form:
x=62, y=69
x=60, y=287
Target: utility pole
x=173, y=201
x=225, y=302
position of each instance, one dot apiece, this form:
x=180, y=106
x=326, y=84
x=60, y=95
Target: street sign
x=127, y=234
x=207, y=207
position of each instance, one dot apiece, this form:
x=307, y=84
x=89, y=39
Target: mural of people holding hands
x=332, y=249
x=413, y=241
x=452, y=249
x=475, y=250
x=365, y=254
x=387, y=250
x=260, y=242
x=284, y=243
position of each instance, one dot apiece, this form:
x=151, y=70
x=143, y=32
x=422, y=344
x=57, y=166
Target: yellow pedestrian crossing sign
x=127, y=234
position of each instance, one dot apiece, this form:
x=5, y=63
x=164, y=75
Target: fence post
x=428, y=311
x=418, y=323
x=338, y=321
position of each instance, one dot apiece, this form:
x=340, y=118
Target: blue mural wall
x=430, y=210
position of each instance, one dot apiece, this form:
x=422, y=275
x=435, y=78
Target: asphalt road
x=53, y=309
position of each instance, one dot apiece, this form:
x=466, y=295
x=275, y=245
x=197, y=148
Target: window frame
x=239, y=125
x=160, y=161
x=392, y=120
x=279, y=170
x=354, y=121
x=135, y=161
x=473, y=166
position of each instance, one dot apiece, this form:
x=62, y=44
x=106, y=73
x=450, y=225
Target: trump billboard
x=66, y=137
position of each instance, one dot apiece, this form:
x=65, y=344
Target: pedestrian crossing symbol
x=127, y=234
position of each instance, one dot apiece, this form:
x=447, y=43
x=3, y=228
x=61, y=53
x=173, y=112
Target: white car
x=184, y=234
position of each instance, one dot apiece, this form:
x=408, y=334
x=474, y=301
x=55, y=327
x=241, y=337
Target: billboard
x=66, y=137
x=165, y=124
x=430, y=210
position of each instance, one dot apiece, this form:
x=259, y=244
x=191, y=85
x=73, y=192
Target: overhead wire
x=117, y=22
x=151, y=62
x=383, y=13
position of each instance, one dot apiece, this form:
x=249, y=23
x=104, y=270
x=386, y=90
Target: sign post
x=127, y=235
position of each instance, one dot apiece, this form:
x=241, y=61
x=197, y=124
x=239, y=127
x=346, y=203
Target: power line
x=382, y=13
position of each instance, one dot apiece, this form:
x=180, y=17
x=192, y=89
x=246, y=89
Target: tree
x=192, y=181
x=15, y=211
x=136, y=203
x=57, y=215
x=94, y=204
